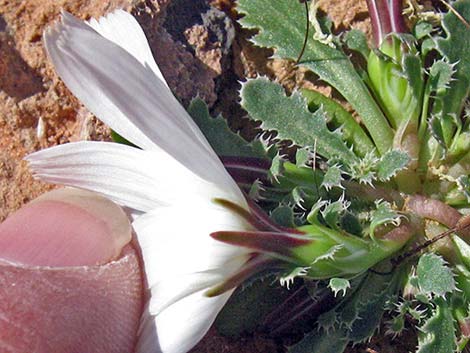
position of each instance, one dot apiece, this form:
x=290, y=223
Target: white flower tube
x=171, y=181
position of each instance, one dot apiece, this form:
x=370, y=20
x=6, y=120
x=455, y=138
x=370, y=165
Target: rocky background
x=205, y=54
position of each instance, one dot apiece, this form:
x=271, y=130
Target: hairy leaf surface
x=285, y=33
x=267, y=102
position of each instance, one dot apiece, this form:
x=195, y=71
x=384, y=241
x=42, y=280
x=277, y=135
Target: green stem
x=374, y=120
x=423, y=124
x=406, y=139
x=342, y=75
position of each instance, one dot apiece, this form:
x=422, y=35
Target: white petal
x=181, y=262
x=175, y=287
x=129, y=97
x=181, y=326
x=142, y=180
x=172, y=289
x=122, y=28
x=84, y=86
x=176, y=240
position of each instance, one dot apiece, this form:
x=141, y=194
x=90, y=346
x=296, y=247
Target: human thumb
x=70, y=279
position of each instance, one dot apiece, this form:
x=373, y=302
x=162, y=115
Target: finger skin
x=61, y=307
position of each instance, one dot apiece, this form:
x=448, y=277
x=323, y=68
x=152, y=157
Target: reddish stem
x=437, y=211
x=433, y=209
x=386, y=17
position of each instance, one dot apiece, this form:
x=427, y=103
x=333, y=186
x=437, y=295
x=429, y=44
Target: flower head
x=198, y=234
x=168, y=183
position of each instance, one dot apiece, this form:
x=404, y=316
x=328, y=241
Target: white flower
x=169, y=183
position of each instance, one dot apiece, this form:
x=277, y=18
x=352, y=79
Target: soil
x=37, y=111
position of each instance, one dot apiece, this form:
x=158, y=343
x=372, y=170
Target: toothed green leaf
x=391, y=163
x=333, y=178
x=292, y=181
x=348, y=312
x=338, y=117
x=333, y=211
x=436, y=129
x=284, y=216
x=303, y=197
x=287, y=279
x=364, y=170
x=463, y=184
x=428, y=45
x=298, y=196
x=361, y=312
x=356, y=40
x=463, y=249
x=249, y=305
x=422, y=29
x=440, y=75
x=456, y=50
x=371, y=309
x=413, y=72
x=460, y=147
x=339, y=285
x=286, y=35
x=277, y=167
x=417, y=314
x=434, y=276
x=423, y=298
x=438, y=333
x=223, y=140
x=370, y=316
x=303, y=156
x=267, y=102
x=396, y=325
x=454, y=46
x=313, y=216
x=256, y=190
x=328, y=321
x=383, y=214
